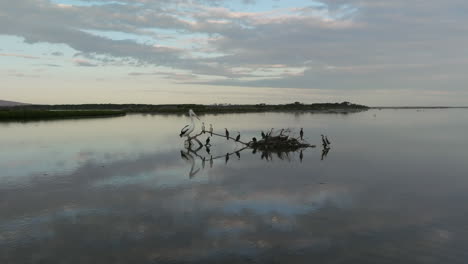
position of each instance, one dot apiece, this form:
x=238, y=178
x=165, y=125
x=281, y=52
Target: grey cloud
x=362, y=34
x=84, y=63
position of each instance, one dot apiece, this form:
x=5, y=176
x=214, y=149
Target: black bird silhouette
x=324, y=142
x=328, y=141
x=227, y=158
x=238, y=137
x=207, y=141
x=227, y=134
x=207, y=150
x=238, y=154
x=263, y=135
x=301, y=133
x=254, y=140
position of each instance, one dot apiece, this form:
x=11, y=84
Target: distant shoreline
x=28, y=112
x=418, y=107
x=51, y=112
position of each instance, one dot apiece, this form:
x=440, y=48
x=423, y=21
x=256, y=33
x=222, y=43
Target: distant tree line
x=199, y=108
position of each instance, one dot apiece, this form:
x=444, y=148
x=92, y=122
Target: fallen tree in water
x=280, y=143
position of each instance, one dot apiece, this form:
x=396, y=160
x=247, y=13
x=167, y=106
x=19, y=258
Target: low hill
x=10, y=103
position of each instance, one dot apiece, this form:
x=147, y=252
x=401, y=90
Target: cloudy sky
x=375, y=52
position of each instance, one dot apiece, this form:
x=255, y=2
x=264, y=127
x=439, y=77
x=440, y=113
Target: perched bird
x=203, y=127
x=227, y=134
x=328, y=141
x=207, y=142
x=186, y=130
x=301, y=133
x=254, y=140
x=211, y=129
x=324, y=142
x=238, y=136
x=263, y=135
x=271, y=132
x=227, y=158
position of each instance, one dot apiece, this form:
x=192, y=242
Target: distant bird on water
x=238, y=136
x=211, y=129
x=186, y=130
x=301, y=133
x=227, y=134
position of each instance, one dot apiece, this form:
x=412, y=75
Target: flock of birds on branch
x=273, y=137
x=279, y=142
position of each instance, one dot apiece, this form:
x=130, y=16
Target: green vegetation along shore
x=28, y=112
x=24, y=114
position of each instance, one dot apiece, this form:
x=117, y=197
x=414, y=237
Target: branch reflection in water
x=196, y=156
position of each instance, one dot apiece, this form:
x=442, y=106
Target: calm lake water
x=392, y=189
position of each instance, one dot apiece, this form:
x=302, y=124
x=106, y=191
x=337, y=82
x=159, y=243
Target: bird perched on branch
x=186, y=130
x=301, y=133
x=238, y=136
x=254, y=140
x=324, y=142
x=227, y=134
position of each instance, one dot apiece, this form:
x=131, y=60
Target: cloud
x=24, y=56
x=84, y=63
x=338, y=42
x=57, y=53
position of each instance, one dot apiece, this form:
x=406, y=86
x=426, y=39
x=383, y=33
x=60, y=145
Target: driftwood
x=270, y=147
x=279, y=144
x=268, y=143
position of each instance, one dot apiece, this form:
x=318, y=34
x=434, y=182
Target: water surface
x=392, y=189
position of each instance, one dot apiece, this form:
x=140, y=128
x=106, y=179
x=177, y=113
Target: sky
x=373, y=52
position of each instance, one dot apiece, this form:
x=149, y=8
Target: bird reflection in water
x=188, y=157
x=324, y=153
